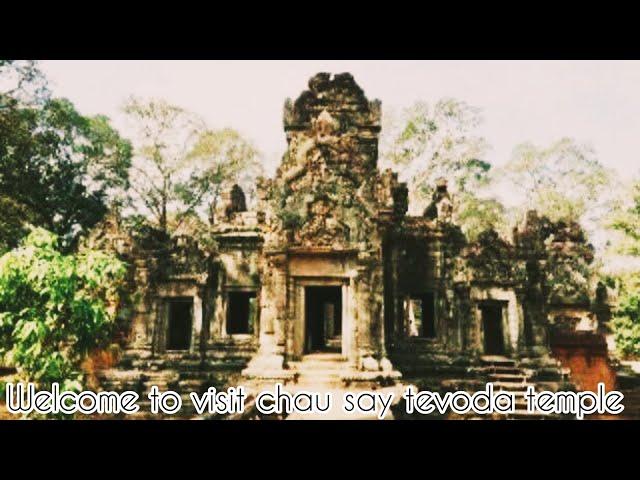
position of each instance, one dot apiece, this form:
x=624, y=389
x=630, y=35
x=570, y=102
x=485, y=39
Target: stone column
x=464, y=310
x=142, y=323
x=196, y=340
x=219, y=324
x=362, y=317
x=279, y=294
x=522, y=347
x=160, y=315
x=217, y=321
x=370, y=316
x=269, y=361
x=348, y=325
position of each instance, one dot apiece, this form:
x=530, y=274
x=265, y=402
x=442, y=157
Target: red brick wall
x=585, y=353
x=587, y=369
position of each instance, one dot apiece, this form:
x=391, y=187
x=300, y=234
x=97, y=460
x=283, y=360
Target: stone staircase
x=182, y=372
x=628, y=383
x=322, y=370
x=505, y=375
x=426, y=364
x=328, y=372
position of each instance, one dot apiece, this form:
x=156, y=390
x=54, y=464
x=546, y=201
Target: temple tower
x=326, y=215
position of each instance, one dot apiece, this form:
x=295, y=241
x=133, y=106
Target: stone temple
x=328, y=279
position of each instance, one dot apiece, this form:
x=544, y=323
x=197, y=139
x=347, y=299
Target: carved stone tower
x=326, y=213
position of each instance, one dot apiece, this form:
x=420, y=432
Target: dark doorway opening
x=492, y=326
x=180, y=324
x=241, y=313
x=323, y=318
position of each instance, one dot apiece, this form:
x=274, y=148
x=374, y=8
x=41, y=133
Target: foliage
x=626, y=322
x=58, y=167
x=436, y=141
x=627, y=336
x=476, y=215
x=562, y=181
x=165, y=134
x=14, y=222
x=625, y=222
x=55, y=308
x=291, y=219
x=224, y=158
x=21, y=82
x=568, y=279
x=179, y=165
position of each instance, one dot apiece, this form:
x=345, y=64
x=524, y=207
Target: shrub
x=55, y=308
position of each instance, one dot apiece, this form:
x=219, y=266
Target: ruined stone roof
x=339, y=95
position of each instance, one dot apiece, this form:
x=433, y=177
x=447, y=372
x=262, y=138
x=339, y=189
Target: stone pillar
x=196, y=338
x=349, y=331
x=219, y=324
x=269, y=361
x=142, y=323
x=464, y=311
x=160, y=320
x=218, y=314
x=365, y=351
x=522, y=342
x=369, y=298
x=288, y=320
x=280, y=293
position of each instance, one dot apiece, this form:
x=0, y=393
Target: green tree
x=179, y=165
x=426, y=142
x=58, y=168
x=225, y=158
x=21, y=82
x=562, y=181
x=626, y=322
x=625, y=220
x=55, y=308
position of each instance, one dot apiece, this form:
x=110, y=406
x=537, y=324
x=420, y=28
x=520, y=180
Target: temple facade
x=328, y=260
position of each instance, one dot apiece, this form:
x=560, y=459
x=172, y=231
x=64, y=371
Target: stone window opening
x=241, y=309
x=420, y=311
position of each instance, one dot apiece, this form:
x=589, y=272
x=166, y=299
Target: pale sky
x=540, y=101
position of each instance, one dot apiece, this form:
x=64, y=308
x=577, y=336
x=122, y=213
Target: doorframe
x=300, y=325
x=171, y=291
x=504, y=324
x=168, y=302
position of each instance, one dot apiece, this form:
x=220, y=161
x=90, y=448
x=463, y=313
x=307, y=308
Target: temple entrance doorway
x=180, y=324
x=323, y=319
x=492, y=327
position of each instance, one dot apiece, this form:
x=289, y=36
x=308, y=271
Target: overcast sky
x=593, y=102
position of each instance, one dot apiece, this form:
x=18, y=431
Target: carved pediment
x=322, y=227
x=328, y=190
